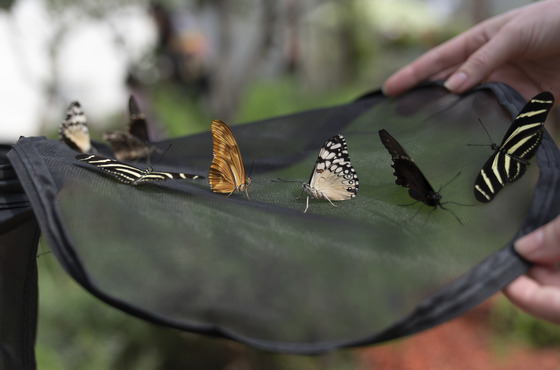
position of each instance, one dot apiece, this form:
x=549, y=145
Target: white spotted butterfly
x=74, y=130
x=333, y=177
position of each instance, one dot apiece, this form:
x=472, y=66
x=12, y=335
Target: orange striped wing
x=227, y=173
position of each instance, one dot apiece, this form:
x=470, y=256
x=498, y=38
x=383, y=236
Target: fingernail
x=530, y=242
x=456, y=80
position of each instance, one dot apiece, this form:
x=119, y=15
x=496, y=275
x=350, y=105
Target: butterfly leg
x=332, y=204
x=306, y=205
x=453, y=213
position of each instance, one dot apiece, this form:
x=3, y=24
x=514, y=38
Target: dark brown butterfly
x=134, y=144
x=409, y=175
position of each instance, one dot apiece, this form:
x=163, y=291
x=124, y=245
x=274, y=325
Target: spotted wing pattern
x=333, y=178
x=74, y=130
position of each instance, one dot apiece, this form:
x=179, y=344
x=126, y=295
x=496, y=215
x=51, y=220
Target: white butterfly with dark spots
x=333, y=177
x=74, y=130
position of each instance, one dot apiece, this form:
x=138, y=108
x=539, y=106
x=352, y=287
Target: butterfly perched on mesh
x=409, y=175
x=227, y=172
x=333, y=178
x=520, y=143
x=74, y=130
x=129, y=174
x=134, y=144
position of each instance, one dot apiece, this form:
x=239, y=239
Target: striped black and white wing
x=520, y=143
x=74, y=130
x=333, y=177
x=129, y=174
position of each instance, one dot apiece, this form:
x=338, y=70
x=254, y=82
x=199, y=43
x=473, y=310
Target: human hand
x=538, y=292
x=520, y=48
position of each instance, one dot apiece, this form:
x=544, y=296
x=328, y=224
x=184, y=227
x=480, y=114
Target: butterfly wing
x=137, y=125
x=227, y=172
x=122, y=172
x=392, y=145
x=129, y=174
x=134, y=144
x=74, y=130
x=519, y=145
x=407, y=172
x=333, y=176
x=127, y=147
x=409, y=176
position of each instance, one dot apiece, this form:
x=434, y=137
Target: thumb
x=495, y=52
x=541, y=245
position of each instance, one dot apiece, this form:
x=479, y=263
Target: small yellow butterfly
x=227, y=173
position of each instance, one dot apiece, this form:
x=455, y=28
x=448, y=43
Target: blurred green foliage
x=509, y=323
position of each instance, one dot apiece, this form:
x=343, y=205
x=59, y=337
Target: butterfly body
x=74, y=130
x=520, y=143
x=333, y=178
x=227, y=172
x=129, y=174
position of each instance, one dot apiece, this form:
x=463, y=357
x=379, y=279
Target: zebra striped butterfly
x=227, y=172
x=129, y=174
x=134, y=144
x=333, y=178
x=520, y=143
x=74, y=130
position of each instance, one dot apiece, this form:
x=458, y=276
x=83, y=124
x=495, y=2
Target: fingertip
x=393, y=86
x=528, y=244
x=456, y=82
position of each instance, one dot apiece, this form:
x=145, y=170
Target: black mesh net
x=261, y=271
x=19, y=235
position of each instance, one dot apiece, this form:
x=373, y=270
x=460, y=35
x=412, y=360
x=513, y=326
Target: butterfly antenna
x=251, y=170
x=485, y=130
x=487, y=134
x=448, y=182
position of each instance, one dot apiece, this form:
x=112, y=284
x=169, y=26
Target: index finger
x=450, y=54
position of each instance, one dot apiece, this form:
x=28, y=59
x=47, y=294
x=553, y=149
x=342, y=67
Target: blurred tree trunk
x=232, y=76
x=480, y=10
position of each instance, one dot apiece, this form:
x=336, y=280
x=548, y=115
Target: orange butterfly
x=227, y=173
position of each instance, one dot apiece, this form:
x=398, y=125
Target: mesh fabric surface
x=261, y=271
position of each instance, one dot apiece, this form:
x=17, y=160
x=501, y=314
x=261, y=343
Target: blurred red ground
x=463, y=343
